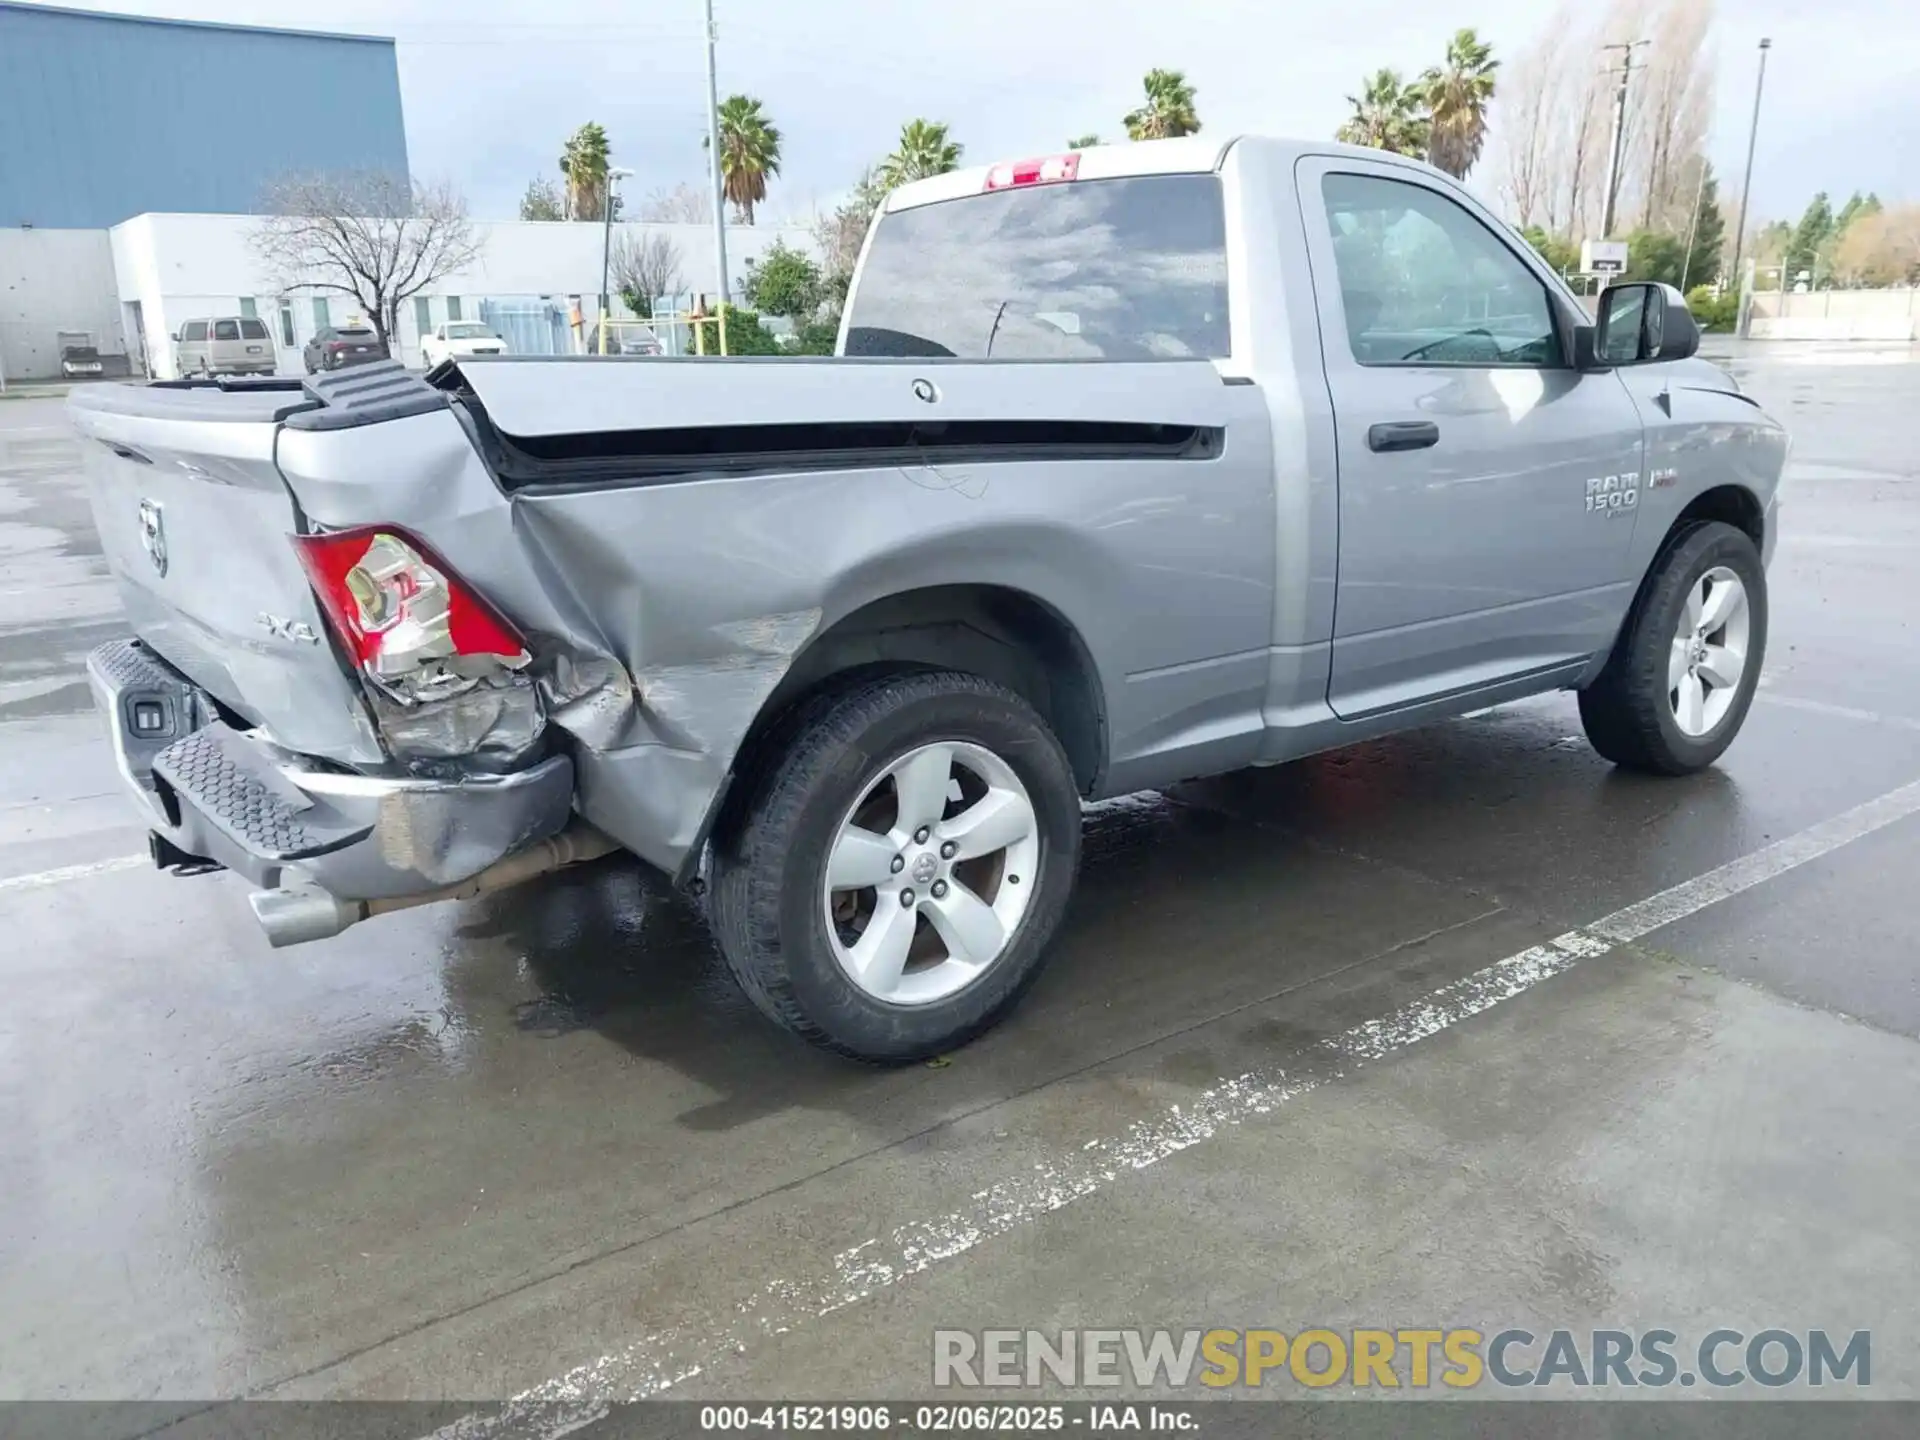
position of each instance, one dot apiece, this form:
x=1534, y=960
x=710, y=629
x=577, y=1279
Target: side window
x=196, y=330
x=226, y=329
x=1422, y=282
x=252, y=329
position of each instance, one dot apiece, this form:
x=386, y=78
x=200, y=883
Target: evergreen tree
x=1813, y=231
x=1709, y=229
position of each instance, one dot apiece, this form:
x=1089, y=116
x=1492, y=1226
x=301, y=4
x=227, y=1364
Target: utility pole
x=1626, y=49
x=713, y=161
x=613, y=175
x=1753, y=133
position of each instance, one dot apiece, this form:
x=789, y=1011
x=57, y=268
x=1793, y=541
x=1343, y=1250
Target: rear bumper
x=228, y=796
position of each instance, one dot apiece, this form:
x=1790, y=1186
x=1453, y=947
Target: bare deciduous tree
x=646, y=267
x=1526, y=122
x=683, y=205
x=1555, y=124
x=1673, y=104
x=840, y=235
x=1881, y=248
x=379, y=239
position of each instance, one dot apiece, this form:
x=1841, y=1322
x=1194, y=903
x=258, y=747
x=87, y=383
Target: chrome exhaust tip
x=295, y=914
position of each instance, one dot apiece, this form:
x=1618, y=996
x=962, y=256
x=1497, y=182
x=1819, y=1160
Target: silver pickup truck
x=1137, y=464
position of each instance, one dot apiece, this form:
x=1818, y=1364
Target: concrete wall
x=107, y=116
x=53, y=281
x=181, y=267
x=1835, y=315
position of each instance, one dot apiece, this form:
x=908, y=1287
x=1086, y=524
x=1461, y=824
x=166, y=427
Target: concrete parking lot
x=1307, y=1054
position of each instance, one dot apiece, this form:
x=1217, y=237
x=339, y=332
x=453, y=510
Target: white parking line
x=42, y=878
x=1838, y=712
x=659, y=1361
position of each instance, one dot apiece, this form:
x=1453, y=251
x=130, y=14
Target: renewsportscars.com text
x=1459, y=1359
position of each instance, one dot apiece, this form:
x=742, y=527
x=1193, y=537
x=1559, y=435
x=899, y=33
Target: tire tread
x=746, y=894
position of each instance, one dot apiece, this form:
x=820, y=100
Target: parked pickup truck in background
x=1139, y=464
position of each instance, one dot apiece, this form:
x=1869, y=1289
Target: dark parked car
x=80, y=361
x=335, y=348
x=624, y=337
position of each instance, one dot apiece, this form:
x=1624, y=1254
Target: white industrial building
x=169, y=269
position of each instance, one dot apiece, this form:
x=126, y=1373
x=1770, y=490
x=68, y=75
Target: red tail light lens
x=404, y=616
x=1048, y=170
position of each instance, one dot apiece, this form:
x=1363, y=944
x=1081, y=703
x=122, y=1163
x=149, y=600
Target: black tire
x=769, y=867
x=1626, y=712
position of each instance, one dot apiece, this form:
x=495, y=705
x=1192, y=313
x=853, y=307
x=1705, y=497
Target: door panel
x=1470, y=551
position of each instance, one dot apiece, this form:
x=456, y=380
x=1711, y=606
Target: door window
x=1422, y=282
x=251, y=329
x=196, y=330
x=226, y=329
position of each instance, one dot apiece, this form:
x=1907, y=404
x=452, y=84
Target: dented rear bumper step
x=326, y=847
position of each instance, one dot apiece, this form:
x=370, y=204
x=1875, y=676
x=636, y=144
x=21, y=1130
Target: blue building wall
x=103, y=117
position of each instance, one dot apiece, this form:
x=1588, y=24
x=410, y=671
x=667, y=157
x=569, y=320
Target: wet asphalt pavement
x=459, y=1152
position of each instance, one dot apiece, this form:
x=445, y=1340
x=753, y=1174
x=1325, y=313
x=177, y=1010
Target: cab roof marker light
x=1046, y=170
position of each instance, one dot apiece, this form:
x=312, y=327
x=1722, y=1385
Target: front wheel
x=1677, y=687
x=894, y=882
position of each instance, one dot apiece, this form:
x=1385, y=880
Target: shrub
x=1715, y=313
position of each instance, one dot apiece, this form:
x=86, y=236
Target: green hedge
x=1716, y=313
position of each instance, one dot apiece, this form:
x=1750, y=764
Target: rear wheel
x=1681, y=677
x=898, y=873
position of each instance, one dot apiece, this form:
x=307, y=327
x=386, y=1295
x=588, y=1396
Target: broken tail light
x=409, y=622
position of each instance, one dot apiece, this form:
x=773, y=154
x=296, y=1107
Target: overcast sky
x=492, y=87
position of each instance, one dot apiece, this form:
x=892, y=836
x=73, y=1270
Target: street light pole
x=614, y=173
x=1626, y=49
x=1693, y=228
x=713, y=162
x=1753, y=134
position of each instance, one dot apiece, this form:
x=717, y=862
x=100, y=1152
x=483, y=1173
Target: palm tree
x=924, y=150
x=583, y=163
x=749, y=153
x=1169, y=109
x=1083, y=142
x=1456, y=96
x=1386, y=116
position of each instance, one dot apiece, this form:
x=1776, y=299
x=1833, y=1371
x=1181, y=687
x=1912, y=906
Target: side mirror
x=1642, y=322
x=175, y=337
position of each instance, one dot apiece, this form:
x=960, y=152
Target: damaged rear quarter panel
x=664, y=615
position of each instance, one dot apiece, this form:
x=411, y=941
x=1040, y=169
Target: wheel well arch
x=1734, y=504
x=999, y=633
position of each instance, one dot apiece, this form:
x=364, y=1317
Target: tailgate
x=193, y=519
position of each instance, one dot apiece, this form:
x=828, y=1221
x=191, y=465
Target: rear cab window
x=1132, y=268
